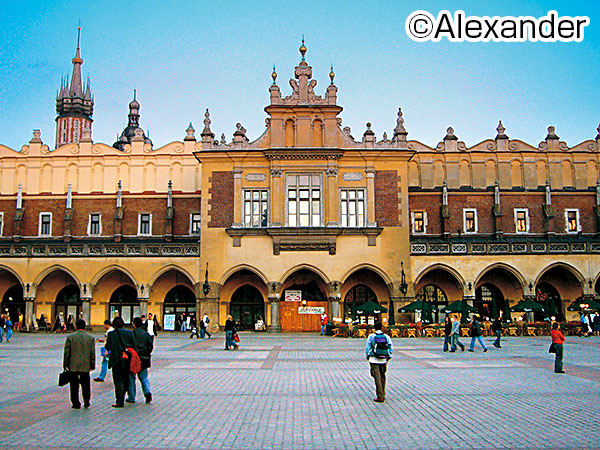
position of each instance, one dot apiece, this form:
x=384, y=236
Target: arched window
x=13, y=302
x=357, y=296
x=247, y=306
x=437, y=298
x=547, y=296
x=68, y=303
x=124, y=303
x=180, y=300
x=489, y=301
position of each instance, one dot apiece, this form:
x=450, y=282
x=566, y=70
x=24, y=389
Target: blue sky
x=183, y=57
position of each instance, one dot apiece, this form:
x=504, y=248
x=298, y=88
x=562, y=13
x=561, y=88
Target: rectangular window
x=352, y=207
x=521, y=220
x=195, y=223
x=145, y=224
x=45, y=224
x=1, y=222
x=572, y=221
x=419, y=222
x=470, y=220
x=256, y=208
x=304, y=200
x=95, y=225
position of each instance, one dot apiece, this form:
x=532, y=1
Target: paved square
x=299, y=391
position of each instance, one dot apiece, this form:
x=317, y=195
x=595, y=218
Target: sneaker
x=378, y=400
x=99, y=380
x=485, y=350
x=560, y=371
x=148, y=398
x=129, y=401
x=76, y=406
x=86, y=405
x=471, y=350
x=452, y=351
x=117, y=405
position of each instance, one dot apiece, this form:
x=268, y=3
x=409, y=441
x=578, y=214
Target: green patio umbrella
x=506, y=314
x=416, y=306
x=576, y=305
x=527, y=306
x=494, y=312
x=369, y=308
x=427, y=315
x=457, y=307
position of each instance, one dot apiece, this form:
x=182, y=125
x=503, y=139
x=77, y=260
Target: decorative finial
x=274, y=75
x=170, y=194
x=223, y=140
x=598, y=130
x=331, y=74
x=134, y=93
x=496, y=192
x=302, y=49
x=445, y=193
x=450, y=134
x=20, y=196
x=190, y=133
x=119, y=195
x=548, y=193
x=501, y=131
x=552, y=133
x=69, y=197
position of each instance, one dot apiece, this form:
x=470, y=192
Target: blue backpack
x=381, y=349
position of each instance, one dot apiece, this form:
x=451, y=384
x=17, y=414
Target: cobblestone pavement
x=296, y=391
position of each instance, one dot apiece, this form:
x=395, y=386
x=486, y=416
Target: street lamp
x=206, y=285
x=403, y=285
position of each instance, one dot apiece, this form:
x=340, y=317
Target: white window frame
x=577, y=218
x=40, y=224
x=356, y=201
x=89, y=227
x=474, y=211
x=310, y=188
x=140, y=224
x=527, y=221
x=412, y=222
x=252, y=201
x=1, y=222
x=192, y=214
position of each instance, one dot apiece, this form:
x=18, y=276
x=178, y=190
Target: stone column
x=334, y=307
x=371, y=197
x=394, y=304
x=144, y=307
x=86, y=305
x=275, y=324
x=29, y=313
x=237, y=198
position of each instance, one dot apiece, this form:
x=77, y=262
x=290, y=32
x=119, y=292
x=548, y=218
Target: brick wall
x=221, y=200
x=386, y=198
x=483, y=202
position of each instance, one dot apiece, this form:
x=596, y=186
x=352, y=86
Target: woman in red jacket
x=557, y=341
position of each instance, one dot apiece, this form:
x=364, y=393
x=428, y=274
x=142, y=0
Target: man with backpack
x=117, y=342
x=144, y=344
x=378, y=352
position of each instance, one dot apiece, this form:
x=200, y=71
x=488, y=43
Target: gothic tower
x=74, y=106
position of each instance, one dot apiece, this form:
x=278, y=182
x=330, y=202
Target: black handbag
x=552, y=349
x=64, y=377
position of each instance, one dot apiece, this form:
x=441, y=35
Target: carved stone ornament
x=255, y=177
x=352, y=176
x=331, y=171
x=276, y=173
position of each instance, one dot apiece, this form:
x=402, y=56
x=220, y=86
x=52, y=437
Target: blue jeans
x=104, y=367
x=202, y=333
x=9, y=334
x=472, y=346
x=229, y=342
x=446, y=343
x=558, y=362
x=143, y=377
x=322, y=330
x=1, y=334
x=498, y=337
x=184, y=326
x=454, y=342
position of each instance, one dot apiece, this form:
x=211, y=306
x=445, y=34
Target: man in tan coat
x=79, y=359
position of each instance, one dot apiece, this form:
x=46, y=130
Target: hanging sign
x=311, y=309
x=293, y=296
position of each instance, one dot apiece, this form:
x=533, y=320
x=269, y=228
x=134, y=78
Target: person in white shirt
x=151, y=327
x=206, y=320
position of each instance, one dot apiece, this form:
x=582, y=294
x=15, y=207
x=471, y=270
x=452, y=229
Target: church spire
x=76, y=83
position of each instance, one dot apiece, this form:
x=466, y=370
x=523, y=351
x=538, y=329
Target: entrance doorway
x=178, y=301
x=124, y=303
x=13, y=303
x=68, y=304
x=247, y=306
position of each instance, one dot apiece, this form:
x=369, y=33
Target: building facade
x=305, y=212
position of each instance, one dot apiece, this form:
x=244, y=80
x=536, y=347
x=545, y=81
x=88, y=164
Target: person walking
x=104, y=369
x=324, y=320
x=497, y=329
x=79, y=358
x=476, y=334
x=447, y=332
x=116, y=343
x=229, y=333
x=558, y=339
x=151, y=327
x=9, y=329
x=2, y=326
x=378, y=352
x=206, y=321
x=454, y=334
x=145, y=346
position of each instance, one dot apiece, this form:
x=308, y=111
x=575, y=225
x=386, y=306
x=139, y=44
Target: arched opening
x=547, y=296
x=67, y=306
x=356, y=297
x=107, y=284
x=489, y=301
x=305, y=298
x=13, y=303
x=125, y=304
x=247, y=306
x=437, y=298
x=559, y=282
x=180, y=301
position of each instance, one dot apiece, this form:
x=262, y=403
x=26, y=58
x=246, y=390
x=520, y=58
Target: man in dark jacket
x=144, y=349
x=116, y=342
x=497, y=329
x=79, y=358
x=476, y=334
